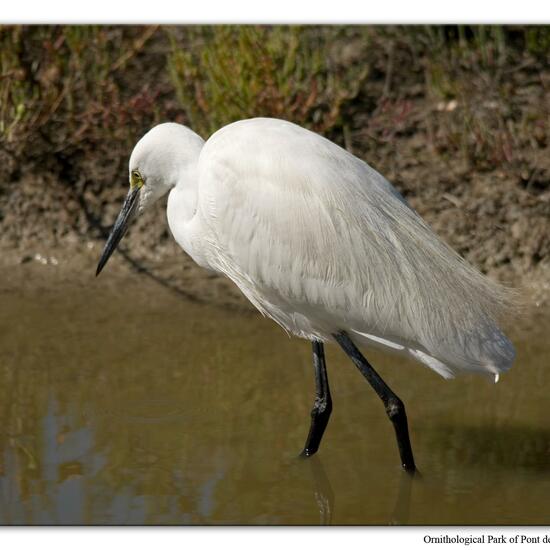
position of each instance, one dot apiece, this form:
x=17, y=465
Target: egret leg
x=394, y=406
x=322, y=407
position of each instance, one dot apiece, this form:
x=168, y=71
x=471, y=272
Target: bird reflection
x=400, y=514
x=324, y=495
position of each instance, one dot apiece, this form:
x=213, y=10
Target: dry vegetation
x=456, y=117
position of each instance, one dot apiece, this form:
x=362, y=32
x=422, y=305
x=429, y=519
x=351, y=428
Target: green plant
x=64, y=88
x=225, y=73
x=537, y=40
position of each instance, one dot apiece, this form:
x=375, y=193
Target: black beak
x=121, y=225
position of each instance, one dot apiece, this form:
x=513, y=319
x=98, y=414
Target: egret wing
x=321, y=242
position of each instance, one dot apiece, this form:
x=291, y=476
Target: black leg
x=323, y=403
x=394, y=406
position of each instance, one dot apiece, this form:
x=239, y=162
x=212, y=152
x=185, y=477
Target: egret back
x=320, y=242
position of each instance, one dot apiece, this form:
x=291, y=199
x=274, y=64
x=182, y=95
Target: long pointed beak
x=127, y=212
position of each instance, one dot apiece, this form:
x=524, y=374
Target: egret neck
x=182, y=207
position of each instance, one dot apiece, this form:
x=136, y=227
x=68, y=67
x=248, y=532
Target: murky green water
x=128, y=405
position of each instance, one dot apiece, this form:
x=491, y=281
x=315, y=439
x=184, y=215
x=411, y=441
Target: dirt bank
x=498, y=225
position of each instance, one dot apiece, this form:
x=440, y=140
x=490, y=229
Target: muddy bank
x=499, y=228
x=500, y=224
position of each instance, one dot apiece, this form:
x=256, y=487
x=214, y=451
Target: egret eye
x=135, y=179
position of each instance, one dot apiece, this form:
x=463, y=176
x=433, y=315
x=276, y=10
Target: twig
x=452, y=199
x=389, y=71
x=138, y=44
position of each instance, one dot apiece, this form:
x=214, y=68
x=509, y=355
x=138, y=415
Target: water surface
x=125, y=404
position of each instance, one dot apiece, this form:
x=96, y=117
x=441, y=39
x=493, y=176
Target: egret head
x=157, y=162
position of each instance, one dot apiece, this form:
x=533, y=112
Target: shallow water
x=125, y=404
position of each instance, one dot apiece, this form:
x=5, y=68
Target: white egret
x=325, y=246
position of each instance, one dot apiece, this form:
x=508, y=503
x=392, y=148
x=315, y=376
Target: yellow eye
x=135, y=179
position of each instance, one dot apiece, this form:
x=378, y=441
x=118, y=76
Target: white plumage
x=320, y=242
